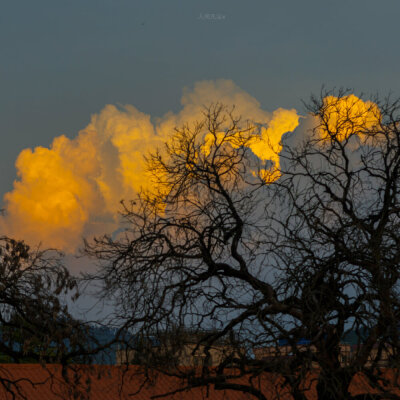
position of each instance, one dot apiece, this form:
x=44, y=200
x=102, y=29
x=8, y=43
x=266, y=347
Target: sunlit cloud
x=73, y=188
x=348, y=115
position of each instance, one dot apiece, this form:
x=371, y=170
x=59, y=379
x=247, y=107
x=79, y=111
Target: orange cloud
x=73, y=188
x=55, y=195
x=347, y=116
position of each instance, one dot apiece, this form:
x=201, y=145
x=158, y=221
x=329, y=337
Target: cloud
x=348, y=115
x=55, y=194
x=73, y=188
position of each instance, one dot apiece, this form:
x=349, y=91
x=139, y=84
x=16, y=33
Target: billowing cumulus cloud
x=55, y=194
x=123, y=137
x=348, y=115
x=73, y=188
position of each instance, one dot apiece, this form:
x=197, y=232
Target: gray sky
x=62, y=61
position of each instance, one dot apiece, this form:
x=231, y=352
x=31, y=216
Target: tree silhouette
x=282, y=264
x=35, y=326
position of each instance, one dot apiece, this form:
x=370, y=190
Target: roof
x=105, y=384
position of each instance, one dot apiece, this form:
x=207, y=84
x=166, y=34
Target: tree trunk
x=334, y=385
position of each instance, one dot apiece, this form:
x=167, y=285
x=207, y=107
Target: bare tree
x=281, y=269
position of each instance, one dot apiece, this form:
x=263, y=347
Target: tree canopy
x=282, y=261
x=35, y=324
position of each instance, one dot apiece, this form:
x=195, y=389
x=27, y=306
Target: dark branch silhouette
x=267, y=278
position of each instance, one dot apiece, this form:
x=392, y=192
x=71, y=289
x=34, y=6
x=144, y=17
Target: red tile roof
x=38, y=383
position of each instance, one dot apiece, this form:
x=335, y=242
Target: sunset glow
x=348, y=115
x=73, y=188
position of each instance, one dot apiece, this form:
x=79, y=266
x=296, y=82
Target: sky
x=63, y=62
